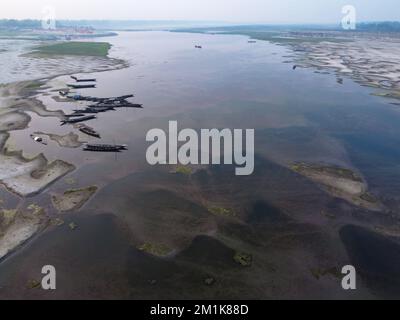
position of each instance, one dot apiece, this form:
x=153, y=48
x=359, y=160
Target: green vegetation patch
x=244, y=259
x=97, y=49
x=326, y=170
x=57, y=222
x=33, y=284
x=91, y=189
x=73, y=226
x=220, y=211
x=33, y=85
x=184, y=170
x=35, y=209
x=369, y=197
x=318, y=273
x=73, y=199
x=158, y=250
x=7, y=216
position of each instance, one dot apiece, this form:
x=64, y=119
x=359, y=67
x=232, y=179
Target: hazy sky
x=268, y=11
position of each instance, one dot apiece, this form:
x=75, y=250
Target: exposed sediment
x=27, y=177
x=73, y=199
x=23, y=176
x=369, y=59
x=18, y=226
x=341, y=183
x=70, y=140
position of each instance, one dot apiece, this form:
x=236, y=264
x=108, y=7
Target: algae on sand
x=185, y=170
x=158, y=250
x=339, y=182
x=73, y=199
x=220, y=211
x=70, y=140
x=244, y=259
x=18, y=226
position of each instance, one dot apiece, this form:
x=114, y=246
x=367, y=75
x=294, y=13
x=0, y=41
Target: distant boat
x=74, y=115
x=87, y=110
x=114, y=99
x=76, y=97
x=105, y=147
x=81, y=86
x=252, y=41
x=96, y=110
x=83, y=80
x=116, y=105
x=79, y=97
x=76, y=120
x=198, y=47
x=100, y=109
x=87, y=130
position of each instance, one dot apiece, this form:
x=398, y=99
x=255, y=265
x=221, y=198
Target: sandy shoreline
x=367, y=59
x=27, y=177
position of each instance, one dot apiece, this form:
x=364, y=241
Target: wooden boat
x=110, y=100
x=74, y=115
x=76, y=120
x=87, y=130
x=105, y=147
x=83, y=80
x=117, y=105
x=81, y=86
x=95, y=110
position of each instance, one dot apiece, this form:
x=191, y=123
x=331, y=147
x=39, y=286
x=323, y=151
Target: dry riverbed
x=25, y=176
x=18, y=226
x=73, y=199
x=369, y=59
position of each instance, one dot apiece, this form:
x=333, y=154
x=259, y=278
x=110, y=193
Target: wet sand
x=28, y=176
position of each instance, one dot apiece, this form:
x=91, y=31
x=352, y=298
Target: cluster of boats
x=98, y=105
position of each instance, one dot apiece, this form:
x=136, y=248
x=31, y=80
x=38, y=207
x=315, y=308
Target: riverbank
x=27, y=177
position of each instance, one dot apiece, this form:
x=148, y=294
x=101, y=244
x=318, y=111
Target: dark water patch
x=376, y=258
x=373, y=149
x=183, y=276
x=208, y=251
x=262, y=212
x=244, y=233
x=87, y=259
x=150, y=277
x=290, y=134
x=157, y=207
x=377, y=156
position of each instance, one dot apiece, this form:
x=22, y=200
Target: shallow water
x=298, y=116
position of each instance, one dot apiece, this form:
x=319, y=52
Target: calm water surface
x=298, y=116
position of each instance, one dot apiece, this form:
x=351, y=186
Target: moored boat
x=105, y=147
x=76, y=120
x=87, y=130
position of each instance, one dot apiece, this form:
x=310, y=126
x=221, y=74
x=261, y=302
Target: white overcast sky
x=267, y=11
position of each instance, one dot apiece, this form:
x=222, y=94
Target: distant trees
x=19, y=24
x=387, y=26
